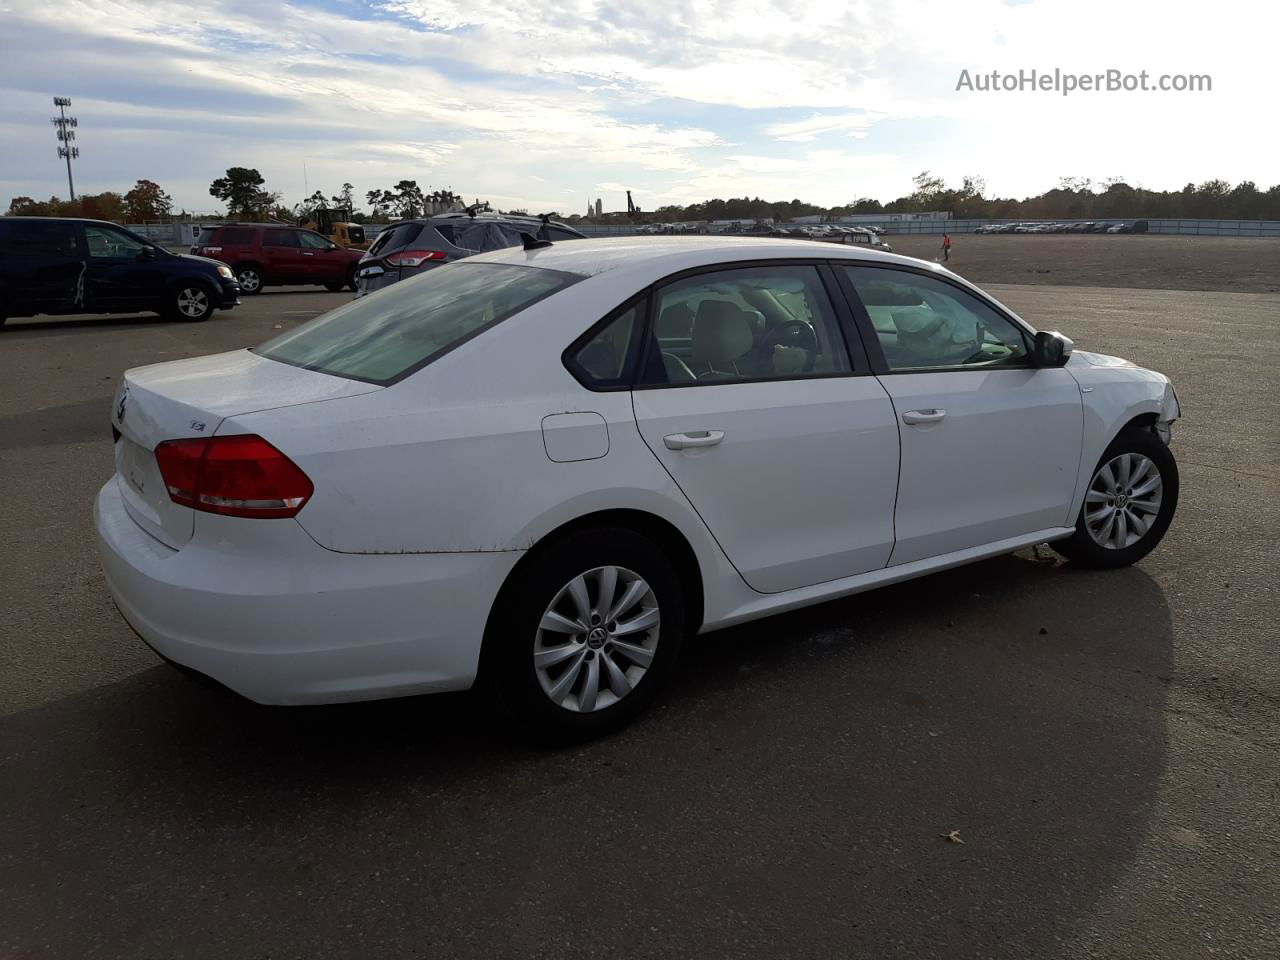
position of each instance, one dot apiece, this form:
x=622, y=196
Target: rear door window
x=41, y=238
x=279, y=238
x=385, y=338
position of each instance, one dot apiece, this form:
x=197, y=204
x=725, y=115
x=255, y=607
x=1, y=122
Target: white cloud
x=541, y=104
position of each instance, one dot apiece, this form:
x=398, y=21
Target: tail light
x=239, y=476
x=414, y=258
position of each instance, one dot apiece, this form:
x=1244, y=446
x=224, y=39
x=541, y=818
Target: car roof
x=662, y=255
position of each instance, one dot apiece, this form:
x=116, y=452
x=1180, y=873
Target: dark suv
x=60, y=266
x=411, y=246
x=272, y=254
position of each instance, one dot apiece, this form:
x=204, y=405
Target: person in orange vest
x=946, y=246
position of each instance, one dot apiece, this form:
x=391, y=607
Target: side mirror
x=333, y=246
x=1051, y=349
x=147, y=253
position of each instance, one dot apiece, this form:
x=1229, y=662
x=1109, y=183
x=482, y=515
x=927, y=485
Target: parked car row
x=59, y=266
x=1074, y=226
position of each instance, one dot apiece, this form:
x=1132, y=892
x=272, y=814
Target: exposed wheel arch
x=662, y=532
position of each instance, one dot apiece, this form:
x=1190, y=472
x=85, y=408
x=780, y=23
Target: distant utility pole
x=66, y=133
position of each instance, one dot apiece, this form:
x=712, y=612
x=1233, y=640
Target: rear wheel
x=351, y=281
x=250, y=279
x=191, y=301
x=582, y=643
x=1128, y=505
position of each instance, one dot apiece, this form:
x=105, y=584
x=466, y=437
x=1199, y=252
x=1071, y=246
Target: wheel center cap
x=596, y=638
x=1121, y=500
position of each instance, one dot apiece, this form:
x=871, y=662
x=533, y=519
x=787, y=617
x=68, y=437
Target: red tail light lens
x=414, y=258
x=241, y=476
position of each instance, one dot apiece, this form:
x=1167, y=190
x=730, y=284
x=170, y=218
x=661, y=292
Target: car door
x=323, y=261
x=42, y=267
x=780, y=439
x=283, y=258
x=990, y=442
x=118, y=276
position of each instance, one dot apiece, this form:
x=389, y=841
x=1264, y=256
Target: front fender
x=1114, y=392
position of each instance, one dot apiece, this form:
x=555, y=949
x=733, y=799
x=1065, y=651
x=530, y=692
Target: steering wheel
x=792, y=333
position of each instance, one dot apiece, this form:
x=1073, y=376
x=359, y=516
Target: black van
x=58, y=266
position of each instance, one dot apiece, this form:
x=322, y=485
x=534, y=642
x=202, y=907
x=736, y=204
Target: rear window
x=395, y=237
x=384, y=338
x=206, y=235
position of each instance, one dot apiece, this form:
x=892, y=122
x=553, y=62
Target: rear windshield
x=206, y=235
x=395, y=237
x=385, y=337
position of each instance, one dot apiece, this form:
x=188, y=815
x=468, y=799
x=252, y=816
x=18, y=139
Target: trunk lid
x=191, y=398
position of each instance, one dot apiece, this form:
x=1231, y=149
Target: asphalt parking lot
x=1105, y=744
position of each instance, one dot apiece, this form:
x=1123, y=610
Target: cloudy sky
x=543, y=104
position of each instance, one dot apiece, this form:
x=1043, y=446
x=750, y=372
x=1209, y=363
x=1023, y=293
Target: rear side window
x=560, y=233
x=206, y=235
x=40, y=238
x=385, y=338
x=604, y=357
x=235, y=236
x=395, y=237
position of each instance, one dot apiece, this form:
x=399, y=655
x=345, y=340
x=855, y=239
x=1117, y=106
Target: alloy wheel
x=1123, y=501
x=249, y=280
x=193, y=302
x=596, y=640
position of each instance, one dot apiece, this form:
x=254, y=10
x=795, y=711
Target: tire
x=351, y=281
x=552, y=700
x=334, y=287
x=1105, y=544
x=249, y=276
x=191, y=301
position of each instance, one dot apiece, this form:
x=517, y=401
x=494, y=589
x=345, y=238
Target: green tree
x=242, y=191
x=146, y=201
x=345, y=197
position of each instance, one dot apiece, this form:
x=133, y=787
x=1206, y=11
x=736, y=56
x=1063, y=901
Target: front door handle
x=306, y=254
x=923, y=416
x=699, y=438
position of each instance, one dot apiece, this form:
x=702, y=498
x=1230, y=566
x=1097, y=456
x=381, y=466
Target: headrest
x=675, y=321
x=721, y=332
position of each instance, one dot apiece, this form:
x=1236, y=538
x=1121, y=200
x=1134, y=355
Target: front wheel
x=1128, y=505
x=582, y=643
x=192, y=302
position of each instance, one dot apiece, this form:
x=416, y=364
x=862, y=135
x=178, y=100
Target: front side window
x=383, y=339
x=107, y=244
x=752, y=323
x=925, y=323
x=313, y=241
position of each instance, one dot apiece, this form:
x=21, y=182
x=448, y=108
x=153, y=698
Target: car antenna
x=533, y=243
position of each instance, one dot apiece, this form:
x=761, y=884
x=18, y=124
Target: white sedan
x=544, y=468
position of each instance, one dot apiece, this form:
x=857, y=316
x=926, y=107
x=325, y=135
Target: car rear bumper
x=299, y=623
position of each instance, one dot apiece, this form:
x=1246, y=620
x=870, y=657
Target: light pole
x=66, y=133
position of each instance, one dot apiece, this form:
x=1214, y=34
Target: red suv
x=266, y=254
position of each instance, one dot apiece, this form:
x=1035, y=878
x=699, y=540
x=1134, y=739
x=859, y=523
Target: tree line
x=243, y=191
x=1074, y=198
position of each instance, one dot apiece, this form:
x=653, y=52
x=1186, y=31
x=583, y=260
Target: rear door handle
x=306, y=254
x=699, y=438
x=923, y=416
